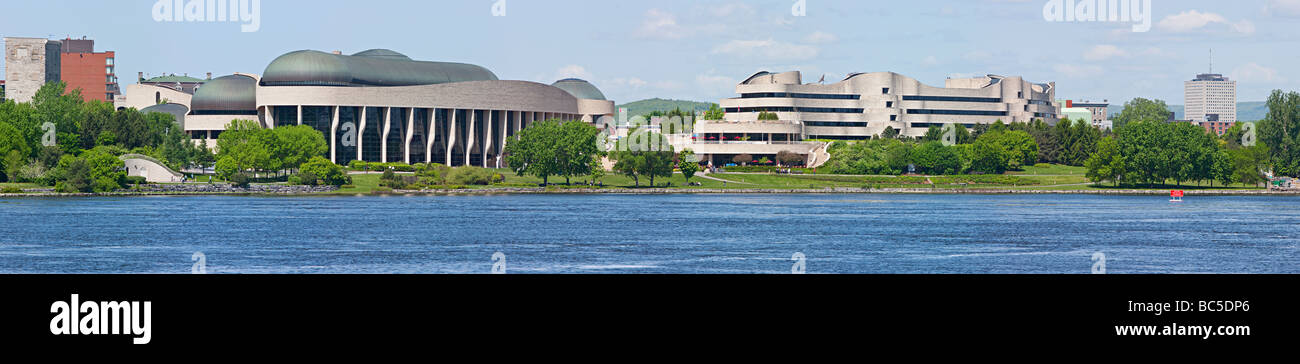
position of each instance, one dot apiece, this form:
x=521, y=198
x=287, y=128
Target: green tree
x=935, y=158
x=688, y=164
x=1247, y=164
x=1280, y=132
x=105, y=170
x=889, y=133
x=597, y=170
x=13, y=163
x=657, y=164
x=74, y=175
x=714, y=113
x=245, y=147
x=988, y=156
x=64, y=110
x=325, y=171
x=935, y=133
x=1141, y=109
x=298, y=144
x=1107, y=163
x=576, y=147
x=628, y=163
x=963, y=135
x=533, y=151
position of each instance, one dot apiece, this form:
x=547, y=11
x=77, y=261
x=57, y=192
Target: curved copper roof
x=376, y=67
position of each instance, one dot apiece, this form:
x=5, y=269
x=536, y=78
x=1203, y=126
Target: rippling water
x=651, y=234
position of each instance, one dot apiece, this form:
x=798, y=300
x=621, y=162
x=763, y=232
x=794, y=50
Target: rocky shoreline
x=658, y=191
x=283, y=190
x=186, y=189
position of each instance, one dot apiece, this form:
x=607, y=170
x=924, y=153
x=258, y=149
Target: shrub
x=106, y=184
x=136, y=180
x=399, y=182
x=472, y=176
x=239, y=180
x=11, y=189
x=322, y=171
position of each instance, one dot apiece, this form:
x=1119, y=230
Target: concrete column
x=383, y=136
x=505, y=118
x=334, y=133
x=451, y=134
x=299, y=114
x=361, y=129
x=410, y=133
x=487, y=136
x=430, y=135
x=270, y=117
x=519, y=119
x=470, y=137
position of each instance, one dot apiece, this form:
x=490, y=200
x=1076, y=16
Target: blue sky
x=699, y=50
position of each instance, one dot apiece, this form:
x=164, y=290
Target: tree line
x=60, y=140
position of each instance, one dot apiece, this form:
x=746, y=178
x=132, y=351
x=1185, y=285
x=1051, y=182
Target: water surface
x=651, y=234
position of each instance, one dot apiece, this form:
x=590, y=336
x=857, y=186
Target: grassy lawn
x=19, y=185
x=1053, y=177
x=1051, y=169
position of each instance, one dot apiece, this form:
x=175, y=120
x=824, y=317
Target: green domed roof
x=383, y=54
x=226, y=93
x=376, y=67
x=580, y=89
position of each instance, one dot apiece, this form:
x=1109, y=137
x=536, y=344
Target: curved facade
x=376, y=67
x=862, y=106
x=380, y=106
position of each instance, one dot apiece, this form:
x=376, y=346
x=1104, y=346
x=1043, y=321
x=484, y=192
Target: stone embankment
x=188, y=189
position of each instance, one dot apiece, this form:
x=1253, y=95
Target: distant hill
x=644, y=107
x=1246, y=111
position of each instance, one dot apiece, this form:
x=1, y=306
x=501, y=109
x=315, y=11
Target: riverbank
x=656, y=191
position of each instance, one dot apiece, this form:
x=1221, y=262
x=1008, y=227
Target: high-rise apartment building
x=1211, y=97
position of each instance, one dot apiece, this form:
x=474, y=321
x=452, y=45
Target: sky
x=699, y=50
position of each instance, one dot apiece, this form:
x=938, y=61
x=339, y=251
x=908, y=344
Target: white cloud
x=628, y=82
x=713, y=83
x=1255, y=73
x=1104, y=52
x=820, y=37
x=661, y=25
x=1192, y=20
x=767, y=50
x=1285, y=8
x=573, y=71
x=1077, y=71
x=930, y=61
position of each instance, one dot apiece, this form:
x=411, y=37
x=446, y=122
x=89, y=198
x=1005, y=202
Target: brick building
x=92, y=72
